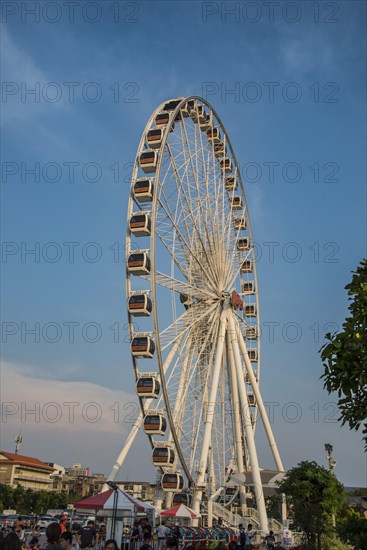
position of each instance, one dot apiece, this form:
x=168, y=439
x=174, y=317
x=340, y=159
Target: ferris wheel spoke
x=182, y=324
x=211, y=282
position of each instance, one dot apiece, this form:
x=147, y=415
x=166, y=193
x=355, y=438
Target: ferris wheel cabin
x=240, y=223
x=237, y=202
x=155, y=424
x=148, y=386
x=231, y=183
x=225, y=164
x=140, y=305
x=180, y=498
x=185, y=300
x=138, y=263
x=163, y=456
x=204, y=126
x=186, y=109
x=154, y=138
x=252, y=354
x=246, y=266
x=140, y=224
x=148, y=160
x=250, y=310
x=243, y=244
x=162, y=119
x=248, y=287
x=142, y=347
x=220, y=149
x=213, y=135
x=172, y=482
x=251, y=333
x=251, y=399
x=143, y=190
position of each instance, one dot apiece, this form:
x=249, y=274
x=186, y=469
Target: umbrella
x=180, y=511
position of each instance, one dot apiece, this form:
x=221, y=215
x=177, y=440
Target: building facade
x=26, y=471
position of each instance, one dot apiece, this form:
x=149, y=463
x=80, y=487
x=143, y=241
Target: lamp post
x=329, y=456
x=115, y=488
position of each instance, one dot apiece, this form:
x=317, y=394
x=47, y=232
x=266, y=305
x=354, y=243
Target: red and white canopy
x=105, y=501
x=180, y=511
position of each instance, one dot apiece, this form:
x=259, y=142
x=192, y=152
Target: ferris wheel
x=193, y=307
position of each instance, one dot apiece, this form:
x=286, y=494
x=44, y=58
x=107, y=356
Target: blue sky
x=311, y=132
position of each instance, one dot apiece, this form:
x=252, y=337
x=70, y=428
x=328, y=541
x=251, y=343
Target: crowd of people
x=140, y=536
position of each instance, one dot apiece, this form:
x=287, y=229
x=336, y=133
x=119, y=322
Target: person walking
x=249, y=535
x=270, y=540
x=87, y=537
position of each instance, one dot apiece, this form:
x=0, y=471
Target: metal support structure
x=250, y=440
x=210, y=413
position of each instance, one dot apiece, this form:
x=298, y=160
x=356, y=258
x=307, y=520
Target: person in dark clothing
x=87, y=536
x=270, y=540
x=53, y=533
x=11, y=542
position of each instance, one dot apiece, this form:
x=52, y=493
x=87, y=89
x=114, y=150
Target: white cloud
x=49, y=411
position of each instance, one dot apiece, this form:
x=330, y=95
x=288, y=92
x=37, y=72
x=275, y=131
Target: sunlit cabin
x=251, y=399
x=138, y=263
x=185, y=300
x=180, y=498
x=171, y=105
x=252, y=354
x=246, y=266
x=147, y=386
x=201, y=114
x=243, y=244
x=148, y=160
x=248, y=287
x=213, y=135
x=144, y=189
x=154, y=138
x=237, y=202
x=142, y=346
x=172, y=482
x=140, y=305
x=240, y=223
x=225, y=164
x=204, y=126
x=231, y=183
x=250, y=310
x=220, y=149
x=155, y=424
x=185, y=110
x=163, y=456
x=162, y=119
x=251, y=333
x=140, y=224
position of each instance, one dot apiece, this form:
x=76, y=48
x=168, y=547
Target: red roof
x=25, y=460
x=95, y=502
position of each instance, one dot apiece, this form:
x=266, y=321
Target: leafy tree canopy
x=314, y=497
x=344, y=356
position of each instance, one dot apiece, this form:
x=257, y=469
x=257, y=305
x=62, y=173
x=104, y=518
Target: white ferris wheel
x=193, y=309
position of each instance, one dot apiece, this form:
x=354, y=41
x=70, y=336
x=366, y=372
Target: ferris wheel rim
x=153, y=238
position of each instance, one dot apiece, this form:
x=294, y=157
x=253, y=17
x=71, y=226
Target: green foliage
x=25, y=501
x=352, y=529
x=344, y=356
x=314, y=496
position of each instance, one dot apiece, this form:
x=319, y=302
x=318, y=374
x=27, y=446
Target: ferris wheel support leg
x=259, y=494
x=264, y=416
x=125, y=449
x=210, y=414
x=260, y=402
x=236, y=416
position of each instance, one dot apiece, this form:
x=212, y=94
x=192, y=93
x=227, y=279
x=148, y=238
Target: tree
x=353, y=529
x=315, y=497
x=344, y=356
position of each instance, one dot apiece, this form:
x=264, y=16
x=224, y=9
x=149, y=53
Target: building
x=142, y=490
x=26, y=471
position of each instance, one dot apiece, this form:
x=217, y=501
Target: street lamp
x=115, y=487
x=329, y=456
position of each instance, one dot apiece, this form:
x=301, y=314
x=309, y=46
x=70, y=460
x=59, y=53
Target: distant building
x=26, y=471
x=142, y=490
x=76, y=480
